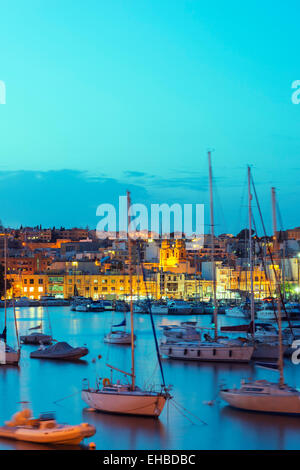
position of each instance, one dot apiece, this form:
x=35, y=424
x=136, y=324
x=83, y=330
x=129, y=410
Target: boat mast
x=5, y=285
x=277, y=280
x=130, y=290
x=250, y=248
x=213, y=246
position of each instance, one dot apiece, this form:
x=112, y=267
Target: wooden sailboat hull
x=137, y=404
x=282, y=404
x=211, y=353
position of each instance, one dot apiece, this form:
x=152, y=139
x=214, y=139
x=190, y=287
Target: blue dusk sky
x=108, y=95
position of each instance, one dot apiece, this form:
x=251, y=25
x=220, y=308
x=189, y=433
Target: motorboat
x=263, y=396
x=140, y=307
x=95, y=306
x=108, y=305
x=208, y=308
x=197, y=307
x=52, y=301
x=36, y=338
x=241, y=311
x=186, y=331
x=179, y=307
x=159, y=308
x=121, y=306
x=44, y=430
x=61, y=350
x=82, y=307
x=292, y=309
x=25, y=302
x=265, y=332
x=266, y=312
x=79, y=300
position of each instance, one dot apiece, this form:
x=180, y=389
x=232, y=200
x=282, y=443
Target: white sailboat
x=212, y=349
x=262, y=395
x=118, y=336
x=127, y=398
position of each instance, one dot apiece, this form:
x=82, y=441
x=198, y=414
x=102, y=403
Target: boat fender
x=106, y=382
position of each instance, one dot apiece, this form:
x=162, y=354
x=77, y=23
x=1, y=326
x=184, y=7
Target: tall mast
x=212, y=230
x=5, y=284
x=250, y=247
x=130, y=290
x=277, y=280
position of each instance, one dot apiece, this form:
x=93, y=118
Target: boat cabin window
x=253, y=389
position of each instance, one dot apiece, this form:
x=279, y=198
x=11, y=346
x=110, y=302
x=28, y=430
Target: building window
x=40, y=282
x=25, y=289
x=40, y=289
x=31, y=289
x=31, y=281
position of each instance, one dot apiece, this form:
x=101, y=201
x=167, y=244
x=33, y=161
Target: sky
x=108, y=95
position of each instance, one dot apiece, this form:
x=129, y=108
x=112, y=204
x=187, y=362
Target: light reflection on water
x=55, y=386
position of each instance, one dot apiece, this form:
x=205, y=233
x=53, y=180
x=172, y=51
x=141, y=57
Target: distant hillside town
x=66, y=262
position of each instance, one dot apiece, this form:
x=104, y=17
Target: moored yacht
x=127, y=398
x=186, y=331
x=266, y=312
x=212, y=351
x=179, y=307
x=122, y=399
x=52, y=301
x=241, y=311
x=264, y=396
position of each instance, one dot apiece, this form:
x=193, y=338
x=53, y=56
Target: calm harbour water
x=43, y=383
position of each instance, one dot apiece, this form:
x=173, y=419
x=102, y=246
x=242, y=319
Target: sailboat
x=262, y=395
x=212, y=349
x=118, y=336
x=126, y=397
x=8, y=355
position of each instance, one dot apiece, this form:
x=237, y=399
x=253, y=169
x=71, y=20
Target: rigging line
x=241, y=204
x=189, y=412
x=271, y=258
x=179, y=411
x=265, y=269
x=183, y=414
x=152, y=376
x=151, y=316
x=68, y=396
x=284, y=264
x=219, y=206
